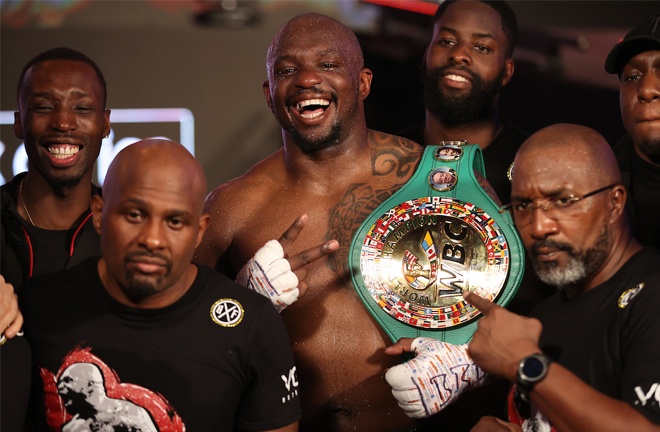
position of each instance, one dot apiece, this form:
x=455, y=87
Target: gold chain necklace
x=20, y=193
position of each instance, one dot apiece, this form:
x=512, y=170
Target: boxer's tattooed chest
x=391, y=168
x=346, y=217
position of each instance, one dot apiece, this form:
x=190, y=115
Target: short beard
x=315, y=143
x=650, y=148
x=580, y=266
x=462, y=109
x=60, y=185
x=138, y=288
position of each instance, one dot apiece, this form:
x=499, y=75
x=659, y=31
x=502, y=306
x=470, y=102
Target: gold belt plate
x=418, y=258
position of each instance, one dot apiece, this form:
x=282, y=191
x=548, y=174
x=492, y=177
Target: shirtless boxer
x=336, y=171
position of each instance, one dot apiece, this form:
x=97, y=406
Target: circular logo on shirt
x=227, y=312
x=419, y=257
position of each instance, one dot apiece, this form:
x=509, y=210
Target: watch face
x=533, y=368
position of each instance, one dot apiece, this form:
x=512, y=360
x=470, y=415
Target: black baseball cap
x=645, y=37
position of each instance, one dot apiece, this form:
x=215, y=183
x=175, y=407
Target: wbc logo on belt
x=418, y=258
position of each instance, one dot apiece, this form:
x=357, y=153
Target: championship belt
x=438, y=235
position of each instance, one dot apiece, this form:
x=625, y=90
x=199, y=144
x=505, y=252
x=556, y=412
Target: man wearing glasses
x=589, y=358
x=558, y=206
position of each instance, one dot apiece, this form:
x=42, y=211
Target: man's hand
x=280, y=278
x=11, y=319
x=502, y=338
x=493, y=424
x=436, y=377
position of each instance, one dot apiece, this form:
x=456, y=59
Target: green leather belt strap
x=438, y=235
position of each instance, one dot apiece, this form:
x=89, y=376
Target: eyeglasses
x=555, y=207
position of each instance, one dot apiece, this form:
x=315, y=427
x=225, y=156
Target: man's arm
x=223, y=224
x=293, y=427
x=582, y=408
x=275, y=275
x=493, y=424
x=212, y=250
x=503, y=339
x=271, y=271
x=11, y=319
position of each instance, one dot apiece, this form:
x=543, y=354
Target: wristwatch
x=531, y=370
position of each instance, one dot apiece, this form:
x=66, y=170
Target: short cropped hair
x=507, y=17
x=62, y=53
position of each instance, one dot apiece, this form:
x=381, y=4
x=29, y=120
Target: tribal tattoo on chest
x=393, y=161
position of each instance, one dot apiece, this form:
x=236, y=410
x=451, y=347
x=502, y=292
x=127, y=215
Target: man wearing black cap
x=636, y=60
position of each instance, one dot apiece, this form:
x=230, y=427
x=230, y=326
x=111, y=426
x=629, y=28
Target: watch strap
x=531, y=370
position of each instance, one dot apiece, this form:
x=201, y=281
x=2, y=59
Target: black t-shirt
x=27, y=250
x=645, y=191
x=50, y=249
x=609, y=336
x=218, y=359
x=489, y=400
x=15, y=358
x=642, y=179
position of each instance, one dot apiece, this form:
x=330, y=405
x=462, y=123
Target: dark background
x=208, y=56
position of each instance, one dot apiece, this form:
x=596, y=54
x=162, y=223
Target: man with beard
x=588, y=360
x=46, y=220
x=468, y=61
x=186, y=344
x=636, y=60
x=62, y=120
x=466, y=64
x=336, y=171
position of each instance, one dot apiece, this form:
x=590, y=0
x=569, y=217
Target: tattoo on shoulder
x=391, y=153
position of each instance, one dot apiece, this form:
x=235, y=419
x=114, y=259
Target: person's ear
x=203, y=225
x=97, y=209
x=509, y=68
x=365, y=83
x=106, y=123
x=618, y=197
x=269, y=99
x=18, y=127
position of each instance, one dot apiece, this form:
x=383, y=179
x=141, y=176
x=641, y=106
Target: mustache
x=311, y=90
x=73, y=136
x=62, y=135
x=550, y=244
x=439, y=71
x=166, y=260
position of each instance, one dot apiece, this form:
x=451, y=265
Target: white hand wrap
x=269, y=274
x=436, y=377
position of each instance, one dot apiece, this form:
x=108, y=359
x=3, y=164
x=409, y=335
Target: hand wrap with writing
x=436, y=377
x=269, y=274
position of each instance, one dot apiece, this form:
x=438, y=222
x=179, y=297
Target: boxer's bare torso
x=338, y=346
